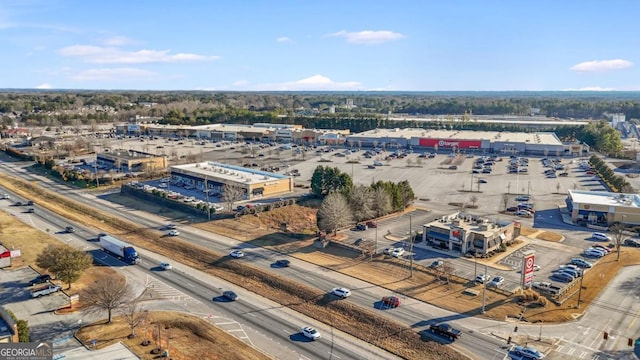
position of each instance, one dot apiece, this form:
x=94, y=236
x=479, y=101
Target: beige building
x=212, y=176
x=468, y=234
x=132, y=161
x=603, y=208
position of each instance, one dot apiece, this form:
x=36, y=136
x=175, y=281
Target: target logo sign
x=528, y=270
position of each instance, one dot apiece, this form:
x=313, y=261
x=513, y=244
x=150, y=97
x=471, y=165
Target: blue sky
x=320, y=45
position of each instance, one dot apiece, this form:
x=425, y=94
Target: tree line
x=343, y=202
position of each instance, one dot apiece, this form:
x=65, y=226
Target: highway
x=267, y=325
x=482, y=338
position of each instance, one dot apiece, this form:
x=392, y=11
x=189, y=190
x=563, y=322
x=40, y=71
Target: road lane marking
x=583, y=354
x=334, y=355
x=226, y=323
x=633, y=321
x=571, y=351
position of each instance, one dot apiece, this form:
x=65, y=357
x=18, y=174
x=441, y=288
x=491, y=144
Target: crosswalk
x=166, y=292
x=230, y=326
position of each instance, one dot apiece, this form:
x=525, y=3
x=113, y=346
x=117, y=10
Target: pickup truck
x=445, y=330
x=49, y=289
x=545, y=287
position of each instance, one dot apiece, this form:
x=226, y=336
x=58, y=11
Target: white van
x=600, y=236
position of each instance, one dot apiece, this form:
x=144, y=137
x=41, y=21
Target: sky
x=309, y=45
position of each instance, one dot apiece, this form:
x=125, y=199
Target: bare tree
x=447, y=269
x=232, y=193
x=505, y=201
x=107, y=293
x=361, y=201
x=474, y=200
x=334, y=213
x=134, y=315
x=618, y=234
x=381, y=202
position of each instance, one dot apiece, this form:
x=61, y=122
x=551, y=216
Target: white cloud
x=283, y=39
x=44, y=86
x=368, y=37
x=315, y=82
x=601, y=65
x=107, y=74
x=118, y=41
x=591, y=88
x=112, y=55
x=240, y=83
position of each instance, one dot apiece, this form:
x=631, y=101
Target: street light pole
x=484, y=287
x=410, y=250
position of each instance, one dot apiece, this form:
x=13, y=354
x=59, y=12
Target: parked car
x=497, y=281
x=40, y=279
x=361, y=227
x=632, y=242
x=436, y=264
x=523, y=213
x=388, y=251
x=528, y=352
x=372, y=224
x=482, y=181
x=591, y=252
x=482, y=278
x=397, y=252
x=523, y=198
x=581, y=263
x=536, y=267
x=604, y=248
x=341, y=292
x=236, y=254
x=165, y=266
x=513, y=209
x=310, y=333
x=600, y=236
x=562, y=277
x=391, y=301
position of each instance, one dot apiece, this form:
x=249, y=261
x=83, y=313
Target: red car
x=372, y=224
x=391, y=301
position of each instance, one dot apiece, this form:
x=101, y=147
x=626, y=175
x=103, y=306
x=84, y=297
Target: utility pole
x=95, y=169
x=484, y=287
x=410, y=250
x=206, y=194
x=580, y=290
x=375, y=244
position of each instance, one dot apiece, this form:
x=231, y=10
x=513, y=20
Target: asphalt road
x=482, y=338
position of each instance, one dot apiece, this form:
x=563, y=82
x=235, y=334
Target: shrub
x=23, y=331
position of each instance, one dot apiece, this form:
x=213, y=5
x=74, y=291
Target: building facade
x=468, y=234
x=212, y=176
x=603, y=208
x=132, y=161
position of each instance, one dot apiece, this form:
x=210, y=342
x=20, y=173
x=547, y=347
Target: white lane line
x=571, y=351
x=226, y=323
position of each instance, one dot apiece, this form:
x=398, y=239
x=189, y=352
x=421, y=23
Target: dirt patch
x=187, y=337
x=355, y=320
x=550, y=236
x=526, y=231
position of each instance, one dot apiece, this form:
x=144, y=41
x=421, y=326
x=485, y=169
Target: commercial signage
x=449, y=143
x=528, y=268
x=26, y=351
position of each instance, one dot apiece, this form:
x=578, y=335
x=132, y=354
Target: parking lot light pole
x=410, y=250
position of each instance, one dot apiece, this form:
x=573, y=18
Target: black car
x=43, y=278
x=632, y=242
x=230, y=295
x=69, y=230
x=283, y=263
x=361, y=227
x=29, y=203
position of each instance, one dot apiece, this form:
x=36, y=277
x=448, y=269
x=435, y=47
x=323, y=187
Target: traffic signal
x=606, y=335
x=516, y=329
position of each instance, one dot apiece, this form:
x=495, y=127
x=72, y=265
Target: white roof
x=210, y=169
x=604, y=198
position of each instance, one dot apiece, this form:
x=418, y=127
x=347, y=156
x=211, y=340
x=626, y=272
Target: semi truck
x=45, y=290
x=119, y=248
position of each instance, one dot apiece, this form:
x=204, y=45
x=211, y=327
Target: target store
x=468, y=234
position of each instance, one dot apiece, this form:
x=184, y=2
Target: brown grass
x=357, y=321
x=188, y=337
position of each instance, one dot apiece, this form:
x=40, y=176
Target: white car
x=171, y=226
x=482, y=278
x=536, y=267
x=497, y=281
x=341, y=292
x=528, y=352
x=600, y=236
x=594, y=253
x=397, y=252
x=165, y=266
x=388, y=251
x=5, y=197
x=311, y=333
x=174, y=233
x=236, y=254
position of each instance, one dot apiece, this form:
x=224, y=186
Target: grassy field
x=187, y=337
